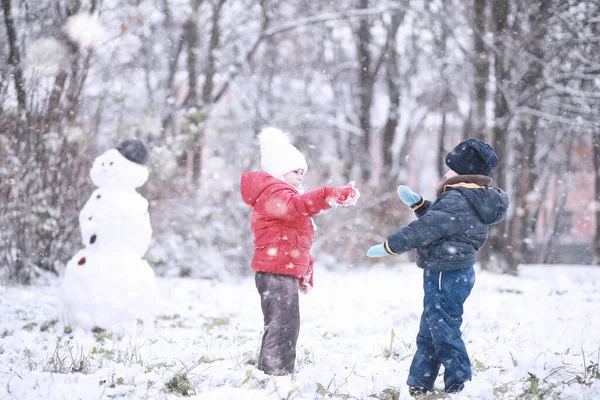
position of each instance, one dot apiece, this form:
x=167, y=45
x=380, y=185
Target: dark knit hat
x=472, y=157
x=133, y=150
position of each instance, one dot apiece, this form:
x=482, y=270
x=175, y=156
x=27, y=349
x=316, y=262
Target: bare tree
x=44, y=173
x=393, y=82
x=482, y=70
x=14, y=57
x=596, y=148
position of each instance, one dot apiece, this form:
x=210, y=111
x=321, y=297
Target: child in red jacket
x=283, y=232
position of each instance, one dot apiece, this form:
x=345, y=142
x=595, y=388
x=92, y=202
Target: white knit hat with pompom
x=277, y=155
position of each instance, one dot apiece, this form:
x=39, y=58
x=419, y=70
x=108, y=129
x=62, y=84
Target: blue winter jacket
x=454, y=227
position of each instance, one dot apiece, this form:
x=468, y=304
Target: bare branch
x=551, y=117
x=317, y=19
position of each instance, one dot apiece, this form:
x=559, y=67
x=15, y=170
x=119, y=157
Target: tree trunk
x=14, y=57
x=191, y=36
x=209, y=73
x=596, y=161
x=192, y=39
x=365, y=94
x=495, y=253
x=482, y=71
x=523, y=225
x=596, y=147
x=558, y=206
x=393, y=85
x=441, y=163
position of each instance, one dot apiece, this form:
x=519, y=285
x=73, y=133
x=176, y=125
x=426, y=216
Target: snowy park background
x=374, y=92
x=529, y=337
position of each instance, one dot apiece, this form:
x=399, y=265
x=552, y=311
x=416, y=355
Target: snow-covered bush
x=202, y=229
x=41, y=184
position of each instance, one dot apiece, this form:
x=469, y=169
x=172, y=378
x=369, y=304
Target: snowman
x=107, y=284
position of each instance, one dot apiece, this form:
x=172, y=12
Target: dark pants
x=439, y=339
x=280, y=307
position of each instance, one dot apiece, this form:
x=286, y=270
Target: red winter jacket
x=281, y=223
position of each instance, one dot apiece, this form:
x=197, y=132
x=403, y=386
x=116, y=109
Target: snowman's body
x=114, y=218
x=108, y=283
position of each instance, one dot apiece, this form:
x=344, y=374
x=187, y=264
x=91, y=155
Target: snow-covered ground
x=534, y=336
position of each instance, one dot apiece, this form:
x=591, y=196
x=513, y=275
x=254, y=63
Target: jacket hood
x=254, y=183
x=489, y=204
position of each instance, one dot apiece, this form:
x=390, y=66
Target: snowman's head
x=113, y=171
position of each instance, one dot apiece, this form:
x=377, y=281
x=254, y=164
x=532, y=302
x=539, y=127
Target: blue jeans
x=439, y=339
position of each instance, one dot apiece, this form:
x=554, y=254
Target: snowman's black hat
x=133, y=150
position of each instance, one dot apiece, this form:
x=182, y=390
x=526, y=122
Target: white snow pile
x=529, y=337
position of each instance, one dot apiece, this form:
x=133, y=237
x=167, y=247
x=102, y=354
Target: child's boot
x=417, y=392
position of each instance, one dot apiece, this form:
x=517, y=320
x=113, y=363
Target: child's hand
x=407, y=196
x=305, y=285
x=377, y=251
x=342, y=196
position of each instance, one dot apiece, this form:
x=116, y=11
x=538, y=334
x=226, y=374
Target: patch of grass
x=206, y=360
x=216, y=322
x=30, y=326
x=590, y=373
x=328, y=392
x=481, y=367
x=514, y=291
x=334, y=388
x=257, y=383
x=101, y=336
x=103, y=353
x=537, y=388
x=169, y=317
x=392, y=350
x=67, y=358
x=126, y=356
x=31, y=364
x=250, y=358
x=329, y=335
x=387, y=394
x=501, y=390
x=46, y=326
x=119, y=381
x=307, y=359
x=513, y=359
x=290, y=393
x=180, y=384
x=321, y=391
x=150, y=368
x=388, y=352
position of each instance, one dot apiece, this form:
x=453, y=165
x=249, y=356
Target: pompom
x=272, y=137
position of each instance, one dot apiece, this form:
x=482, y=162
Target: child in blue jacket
x=447, y=234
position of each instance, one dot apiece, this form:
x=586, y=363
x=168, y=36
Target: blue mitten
x=377, y=251
x=407, y=196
